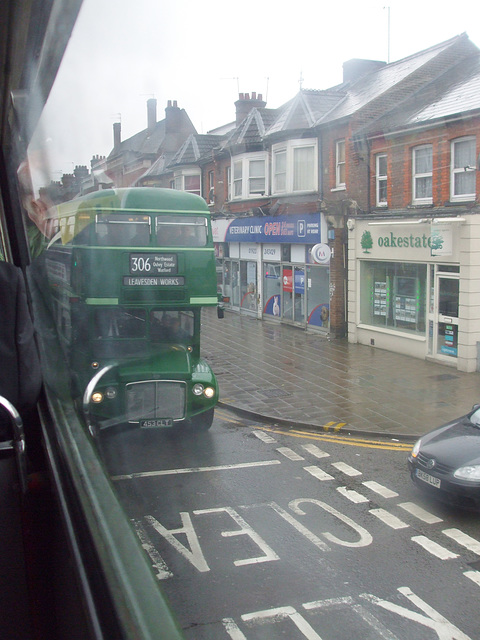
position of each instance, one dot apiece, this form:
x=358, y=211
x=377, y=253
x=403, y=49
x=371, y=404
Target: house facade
x=414, y=258
x=348, y=211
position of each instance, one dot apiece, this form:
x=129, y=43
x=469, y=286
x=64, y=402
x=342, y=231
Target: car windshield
x=475, y=417
x=311, y=176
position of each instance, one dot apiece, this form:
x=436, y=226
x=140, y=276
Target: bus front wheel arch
x=203, y=421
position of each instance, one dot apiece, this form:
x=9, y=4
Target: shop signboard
x=292, y=228
x=417, y=241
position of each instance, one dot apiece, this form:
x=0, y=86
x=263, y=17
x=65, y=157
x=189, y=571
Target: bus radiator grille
x=155, y=399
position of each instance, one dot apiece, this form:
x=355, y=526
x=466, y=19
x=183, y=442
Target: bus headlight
x=111, y=393
x=97, y=397
x=209, y=392
x=197, y=389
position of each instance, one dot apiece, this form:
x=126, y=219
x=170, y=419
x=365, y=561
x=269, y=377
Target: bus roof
x=138, y=199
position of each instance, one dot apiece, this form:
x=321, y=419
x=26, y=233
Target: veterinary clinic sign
x=404, y=242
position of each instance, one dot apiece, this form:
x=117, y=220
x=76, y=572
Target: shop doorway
x=231, y=289
x=446, y=316
x=248, y=287
x=240, y=285
x=293, y=294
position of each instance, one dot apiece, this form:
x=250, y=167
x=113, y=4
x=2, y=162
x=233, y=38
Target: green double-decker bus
x=129, y=272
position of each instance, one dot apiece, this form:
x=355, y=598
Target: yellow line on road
x=349, y=440
x=354, y=441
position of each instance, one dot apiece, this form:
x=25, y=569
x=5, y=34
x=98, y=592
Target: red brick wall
x=399, y=161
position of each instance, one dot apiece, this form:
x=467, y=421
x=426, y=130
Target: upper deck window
x=187, y=231
x=114, y=230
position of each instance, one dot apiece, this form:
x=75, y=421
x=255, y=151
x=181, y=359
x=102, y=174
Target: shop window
x=422, y=166
x=463, y=169
x=381, y=179
x=393, y=296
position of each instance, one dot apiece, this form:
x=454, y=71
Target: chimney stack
x=151, y=113
x=357, y=67
x=117, y=134
x=173, y=119
x=245, y=104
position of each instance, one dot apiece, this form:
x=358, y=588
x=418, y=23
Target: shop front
x=411, y=288
x=275, y=268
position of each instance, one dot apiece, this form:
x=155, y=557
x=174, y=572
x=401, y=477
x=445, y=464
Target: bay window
x=249, y=176
x=294, y=166
x=280, y=171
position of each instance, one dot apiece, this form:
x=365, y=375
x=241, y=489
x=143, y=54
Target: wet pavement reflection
x=287, y=373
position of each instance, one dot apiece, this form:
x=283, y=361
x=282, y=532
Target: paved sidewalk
x=301, y=378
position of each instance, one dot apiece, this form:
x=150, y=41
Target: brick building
x=306, y=200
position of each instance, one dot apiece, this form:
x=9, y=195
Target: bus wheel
x=203, y=422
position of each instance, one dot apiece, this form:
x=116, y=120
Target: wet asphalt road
x=256, y=533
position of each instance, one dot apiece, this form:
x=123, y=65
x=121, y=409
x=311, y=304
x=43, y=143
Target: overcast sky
x=203, y=54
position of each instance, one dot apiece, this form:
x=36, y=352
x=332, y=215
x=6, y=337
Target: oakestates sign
x=427, y=241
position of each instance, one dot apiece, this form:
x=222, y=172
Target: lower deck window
x=392, y=295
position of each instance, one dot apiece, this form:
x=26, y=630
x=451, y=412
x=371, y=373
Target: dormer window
x=187, y=180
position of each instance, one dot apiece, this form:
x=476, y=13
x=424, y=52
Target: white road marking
x=380, y=489
x=474, y=576
x=246, y=530
x=194, y=554
x=462, y=538
x=346, y=469
x=348, y=603
x=352, y=495
x=232, y=629
x=264, y=437
x=388, y=518
x=158, y=562
x=298, y=526
x=289, y=453
x=432, y=619
x=316, y=472
x=315, y=451
x=434, y=548
x=364, y=539
x=172, y=472
x=419, y=513
x=280, y=613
